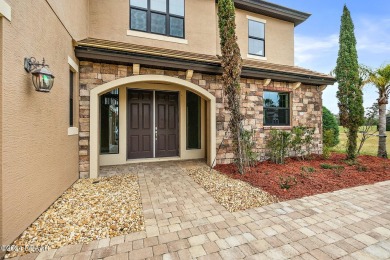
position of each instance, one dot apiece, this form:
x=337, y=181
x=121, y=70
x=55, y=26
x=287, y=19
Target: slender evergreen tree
x=231, y=63
x=349, y=94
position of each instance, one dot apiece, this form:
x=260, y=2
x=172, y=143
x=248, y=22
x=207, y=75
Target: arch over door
x=122, y=157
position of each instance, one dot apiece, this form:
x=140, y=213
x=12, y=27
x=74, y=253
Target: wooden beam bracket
x=189, y=74
x=136, y=69
x=322, y=87
x=266, y=82
x=296, y=85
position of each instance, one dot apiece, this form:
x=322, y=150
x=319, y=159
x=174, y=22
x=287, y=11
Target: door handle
x=156, y=133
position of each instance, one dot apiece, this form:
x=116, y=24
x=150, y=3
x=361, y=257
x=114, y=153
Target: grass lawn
x=370, y=146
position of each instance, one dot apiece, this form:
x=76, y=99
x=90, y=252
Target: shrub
x=308, y=169
x=302, y=138
x=337, y=171
x=287, y=183
x=248, y=146
x=277, y=145
x=329, y=122
x=330, y=166
x=361, y=168
x=328, y=137
x=280, y=143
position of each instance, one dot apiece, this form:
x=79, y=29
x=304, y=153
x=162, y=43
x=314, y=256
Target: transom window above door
x=164, y=17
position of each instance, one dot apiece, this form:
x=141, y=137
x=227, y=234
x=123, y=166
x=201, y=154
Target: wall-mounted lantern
x=42, y=77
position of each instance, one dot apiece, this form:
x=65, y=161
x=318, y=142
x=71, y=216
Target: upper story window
x=276, y=108
x=165, y=17
x=256, y=33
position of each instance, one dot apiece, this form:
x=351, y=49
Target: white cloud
x=316, y=53
x=309, y=48
x=320, y=54
x=373, y=36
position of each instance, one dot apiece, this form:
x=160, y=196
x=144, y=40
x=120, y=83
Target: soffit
x=126, y=52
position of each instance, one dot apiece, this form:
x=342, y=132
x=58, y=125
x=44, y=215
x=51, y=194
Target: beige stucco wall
x=1, y=133
x=40, y=160
x=279, y=37
x=110, y=20
x=74, y=14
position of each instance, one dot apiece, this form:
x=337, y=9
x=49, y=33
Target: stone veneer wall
x=306, y=105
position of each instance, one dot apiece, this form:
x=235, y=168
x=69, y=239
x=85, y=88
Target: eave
x=103, y=55
x=272, y=10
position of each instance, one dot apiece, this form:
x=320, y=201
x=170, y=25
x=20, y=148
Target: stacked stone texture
x=306, y=107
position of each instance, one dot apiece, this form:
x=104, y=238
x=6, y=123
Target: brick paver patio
x=184, y=222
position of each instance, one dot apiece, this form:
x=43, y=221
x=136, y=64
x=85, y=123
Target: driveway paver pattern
x=184, y=222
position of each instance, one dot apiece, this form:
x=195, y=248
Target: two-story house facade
x=136, y=81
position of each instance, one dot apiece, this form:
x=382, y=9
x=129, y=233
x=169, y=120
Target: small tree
x=329, y=122
x=381, y=79
x=349, y=94
x=231, y=63
x=369, y=128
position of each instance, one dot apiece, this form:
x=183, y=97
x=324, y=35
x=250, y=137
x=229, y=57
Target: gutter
x=126, y=58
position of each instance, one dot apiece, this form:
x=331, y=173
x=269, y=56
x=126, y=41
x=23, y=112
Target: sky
x=316, y=40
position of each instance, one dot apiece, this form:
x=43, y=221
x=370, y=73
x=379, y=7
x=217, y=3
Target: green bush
x=330, y=166
x=248, y=147
x=286, y=183
x=329, y=122
x=302, y=138
x=277, y=145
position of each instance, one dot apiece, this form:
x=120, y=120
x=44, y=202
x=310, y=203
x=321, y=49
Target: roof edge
x=272, y=10
x=114, y=56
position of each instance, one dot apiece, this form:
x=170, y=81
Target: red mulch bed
x=266, y=175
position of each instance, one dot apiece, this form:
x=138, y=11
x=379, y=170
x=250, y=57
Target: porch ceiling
x=126, y=53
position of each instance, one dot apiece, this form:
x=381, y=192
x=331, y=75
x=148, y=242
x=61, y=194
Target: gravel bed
x=234, y=195
x=90, y=209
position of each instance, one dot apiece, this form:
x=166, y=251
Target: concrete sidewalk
x=185, y=222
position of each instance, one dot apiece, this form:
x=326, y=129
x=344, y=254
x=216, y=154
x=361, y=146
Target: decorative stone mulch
x=234, y=195
x=90, y=209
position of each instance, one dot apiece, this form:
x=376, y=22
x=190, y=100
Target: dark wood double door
x=152, y=124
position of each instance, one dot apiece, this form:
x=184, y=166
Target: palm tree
x=381, y=79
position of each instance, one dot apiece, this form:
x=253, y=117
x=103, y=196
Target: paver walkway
x=184, y=222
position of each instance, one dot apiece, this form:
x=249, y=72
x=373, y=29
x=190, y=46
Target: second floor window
x=165, y=17
x=256, y=34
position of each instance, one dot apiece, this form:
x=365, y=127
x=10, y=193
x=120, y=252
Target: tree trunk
x=382, y=127
x=352, y=143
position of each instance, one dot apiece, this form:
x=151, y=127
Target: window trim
x=74, y=67
x=149, y=12
x=100, y=121
x=256, y=38
x=289, y=108
x=71, y=98
x=199, y=119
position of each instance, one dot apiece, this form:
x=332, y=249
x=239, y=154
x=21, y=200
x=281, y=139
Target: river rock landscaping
x=90, y=209
x=233, y=194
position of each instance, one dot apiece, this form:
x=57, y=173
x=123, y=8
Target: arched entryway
x=154, y=85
